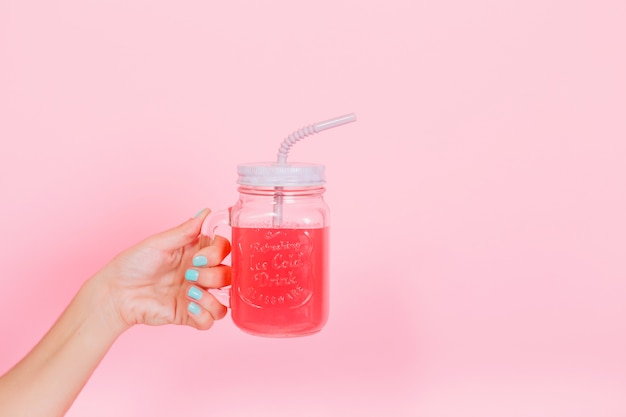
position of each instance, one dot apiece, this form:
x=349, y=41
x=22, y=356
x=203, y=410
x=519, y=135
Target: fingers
x=213, y=277
x=213, y=254
x=207, y=271
x=182, y=234
x=203, y=308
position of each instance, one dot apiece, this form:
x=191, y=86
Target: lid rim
x=274, y=174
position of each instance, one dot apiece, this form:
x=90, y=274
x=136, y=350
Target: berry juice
x=280, y=280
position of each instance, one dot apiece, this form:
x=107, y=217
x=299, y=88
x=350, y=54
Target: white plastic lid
x=273, y=174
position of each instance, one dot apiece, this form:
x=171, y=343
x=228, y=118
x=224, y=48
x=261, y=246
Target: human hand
x=147, y=284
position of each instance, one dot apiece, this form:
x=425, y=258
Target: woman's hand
x=147, y=285
x=144, y=284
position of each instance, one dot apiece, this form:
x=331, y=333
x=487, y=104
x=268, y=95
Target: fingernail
x=200, y=260
x=191, y=275
x=194, y=293
x=198, y=213
x=193, y=308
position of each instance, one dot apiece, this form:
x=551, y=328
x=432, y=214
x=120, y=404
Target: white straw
x=289, y=141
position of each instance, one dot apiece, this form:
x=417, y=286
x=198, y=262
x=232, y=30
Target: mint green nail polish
x=198, y=213
x=194, y=293
x=200, y=261
x=191, y=275
x=193, y=308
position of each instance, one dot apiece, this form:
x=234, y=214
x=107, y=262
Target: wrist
x=100, y=295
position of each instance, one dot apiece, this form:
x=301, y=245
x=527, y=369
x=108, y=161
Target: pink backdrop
x=478, y=227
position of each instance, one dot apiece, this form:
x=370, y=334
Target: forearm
x=48, y=379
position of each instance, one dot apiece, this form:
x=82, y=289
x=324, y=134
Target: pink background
x=478, y=227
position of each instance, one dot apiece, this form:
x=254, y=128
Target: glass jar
x=280, y=237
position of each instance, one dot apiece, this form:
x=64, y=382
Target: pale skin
x=146, y=284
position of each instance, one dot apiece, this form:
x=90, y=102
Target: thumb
x=182, y=234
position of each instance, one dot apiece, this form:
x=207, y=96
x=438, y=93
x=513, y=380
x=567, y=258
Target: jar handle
x=214, y=221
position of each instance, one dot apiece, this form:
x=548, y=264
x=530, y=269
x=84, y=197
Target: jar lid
x=273, y=174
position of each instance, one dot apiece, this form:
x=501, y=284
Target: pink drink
x=280, y=280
